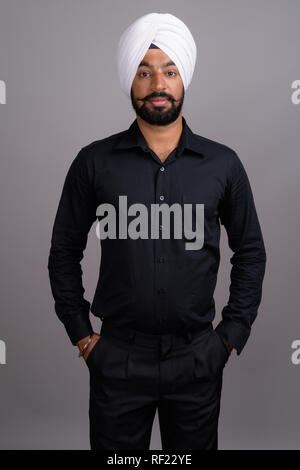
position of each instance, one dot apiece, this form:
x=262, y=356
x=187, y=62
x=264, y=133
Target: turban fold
x=165, y=31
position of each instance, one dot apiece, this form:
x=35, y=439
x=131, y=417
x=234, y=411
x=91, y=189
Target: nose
x=158, y=82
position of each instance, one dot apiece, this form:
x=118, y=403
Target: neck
x=161, y=137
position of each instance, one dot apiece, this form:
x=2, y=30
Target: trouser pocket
x=95, y=354
x=111, y=358
x=210, y=357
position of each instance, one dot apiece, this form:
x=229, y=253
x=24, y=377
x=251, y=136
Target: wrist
x=82, y=341
x=228, y=346
x=85, y=343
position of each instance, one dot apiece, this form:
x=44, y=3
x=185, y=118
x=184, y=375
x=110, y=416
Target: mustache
x=170, y=98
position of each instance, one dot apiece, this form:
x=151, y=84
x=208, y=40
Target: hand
x=229, y=348
x=81, y=343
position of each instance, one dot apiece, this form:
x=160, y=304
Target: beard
x=158, y=116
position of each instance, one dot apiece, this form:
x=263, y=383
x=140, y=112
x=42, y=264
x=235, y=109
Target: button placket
x=160, y=266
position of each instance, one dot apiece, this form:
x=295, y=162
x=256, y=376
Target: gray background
x=58, y=60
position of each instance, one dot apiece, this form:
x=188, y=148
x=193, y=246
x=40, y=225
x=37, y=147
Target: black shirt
x=157, y=285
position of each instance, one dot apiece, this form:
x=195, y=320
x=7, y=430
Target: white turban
x=165, y=31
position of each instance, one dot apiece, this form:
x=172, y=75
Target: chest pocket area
x=199, y=222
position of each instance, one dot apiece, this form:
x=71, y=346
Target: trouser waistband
x=132, y=335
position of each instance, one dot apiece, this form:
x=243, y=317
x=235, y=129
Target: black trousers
x=132, y=374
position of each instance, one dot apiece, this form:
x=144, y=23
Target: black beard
x=158, y=116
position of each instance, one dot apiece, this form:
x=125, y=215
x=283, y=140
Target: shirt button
x=160, y=227
x=161, y=198
x=162, y=168
x=161, y=259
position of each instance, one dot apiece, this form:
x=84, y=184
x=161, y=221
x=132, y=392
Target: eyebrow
x=146, y=64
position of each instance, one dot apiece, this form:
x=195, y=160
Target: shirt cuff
x=78, y=327
x=234, y=333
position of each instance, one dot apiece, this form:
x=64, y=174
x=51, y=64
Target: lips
x=158, y=101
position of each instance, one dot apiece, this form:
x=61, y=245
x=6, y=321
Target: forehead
x=156, y=57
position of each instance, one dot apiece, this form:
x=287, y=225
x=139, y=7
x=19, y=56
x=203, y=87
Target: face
x=157, y=77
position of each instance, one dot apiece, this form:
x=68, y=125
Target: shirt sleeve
x=75, y=215
x=239, y=217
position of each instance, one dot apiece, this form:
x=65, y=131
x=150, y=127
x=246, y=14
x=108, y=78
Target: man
x=157, y=348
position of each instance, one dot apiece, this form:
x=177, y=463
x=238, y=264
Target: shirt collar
x=133, y=137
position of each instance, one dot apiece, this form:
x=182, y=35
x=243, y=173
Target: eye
x=142, y=73
x=171, y=71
